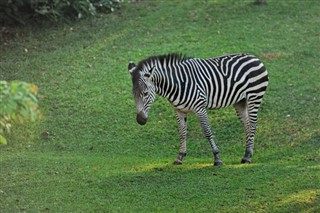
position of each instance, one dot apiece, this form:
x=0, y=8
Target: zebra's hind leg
x=204, y=121
x=182, y=125
x=247, y=113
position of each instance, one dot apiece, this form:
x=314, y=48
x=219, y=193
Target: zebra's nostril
x=141, y=119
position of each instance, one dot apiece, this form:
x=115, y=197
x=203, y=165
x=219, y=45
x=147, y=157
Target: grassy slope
x=97, y=158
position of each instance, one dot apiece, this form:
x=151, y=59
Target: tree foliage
x=18, y=103
x=22, y=10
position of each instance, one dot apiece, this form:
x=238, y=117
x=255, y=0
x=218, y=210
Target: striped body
x=210, y=83
x=194, y=85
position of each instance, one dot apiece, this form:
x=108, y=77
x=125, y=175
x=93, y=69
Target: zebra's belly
x=223, y=102
x=206, y=103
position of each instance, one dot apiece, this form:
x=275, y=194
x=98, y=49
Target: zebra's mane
x=173, y=57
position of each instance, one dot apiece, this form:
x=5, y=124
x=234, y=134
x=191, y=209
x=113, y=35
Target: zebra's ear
x=149, y=74
x=131, y=67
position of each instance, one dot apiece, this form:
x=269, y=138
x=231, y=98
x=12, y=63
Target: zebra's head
x=143, y=90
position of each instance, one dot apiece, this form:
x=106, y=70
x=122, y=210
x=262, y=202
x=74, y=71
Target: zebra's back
x=226, y=80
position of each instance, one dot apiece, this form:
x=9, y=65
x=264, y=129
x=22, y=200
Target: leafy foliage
x=18, y=102
x=21, y=10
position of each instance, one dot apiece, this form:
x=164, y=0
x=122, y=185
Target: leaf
x=33, y=88
x=3, y=140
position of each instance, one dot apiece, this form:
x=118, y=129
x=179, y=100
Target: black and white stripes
x=195, y=85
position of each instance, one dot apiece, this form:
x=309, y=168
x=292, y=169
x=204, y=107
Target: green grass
x=97, y=159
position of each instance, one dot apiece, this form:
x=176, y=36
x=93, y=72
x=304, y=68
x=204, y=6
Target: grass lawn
x=98, y=159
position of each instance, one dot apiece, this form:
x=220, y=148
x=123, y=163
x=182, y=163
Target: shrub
x=18, y=103
x=21, y=10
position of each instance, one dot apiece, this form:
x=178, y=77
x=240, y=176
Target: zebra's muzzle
x=141, y=118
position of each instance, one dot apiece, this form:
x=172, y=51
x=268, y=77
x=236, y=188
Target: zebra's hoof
x=218, y=163
x=177, y=162
x=245, y=161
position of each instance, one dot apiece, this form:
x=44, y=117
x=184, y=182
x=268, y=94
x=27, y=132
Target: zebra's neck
x=167, y=80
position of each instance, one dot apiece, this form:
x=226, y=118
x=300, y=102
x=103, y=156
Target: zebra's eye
x=145, y=93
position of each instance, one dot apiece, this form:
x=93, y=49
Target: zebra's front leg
x=182, y=125
x=204, y=121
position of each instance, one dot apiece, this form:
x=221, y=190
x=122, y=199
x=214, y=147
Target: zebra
x=194, y=85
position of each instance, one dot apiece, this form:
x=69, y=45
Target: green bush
x=21, y=10
x=18, y=103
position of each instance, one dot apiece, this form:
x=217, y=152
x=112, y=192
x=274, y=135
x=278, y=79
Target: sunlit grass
x=302, y=197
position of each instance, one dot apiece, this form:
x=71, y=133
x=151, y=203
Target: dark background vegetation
x=24, y=11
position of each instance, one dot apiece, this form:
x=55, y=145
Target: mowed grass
x=98, y=159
